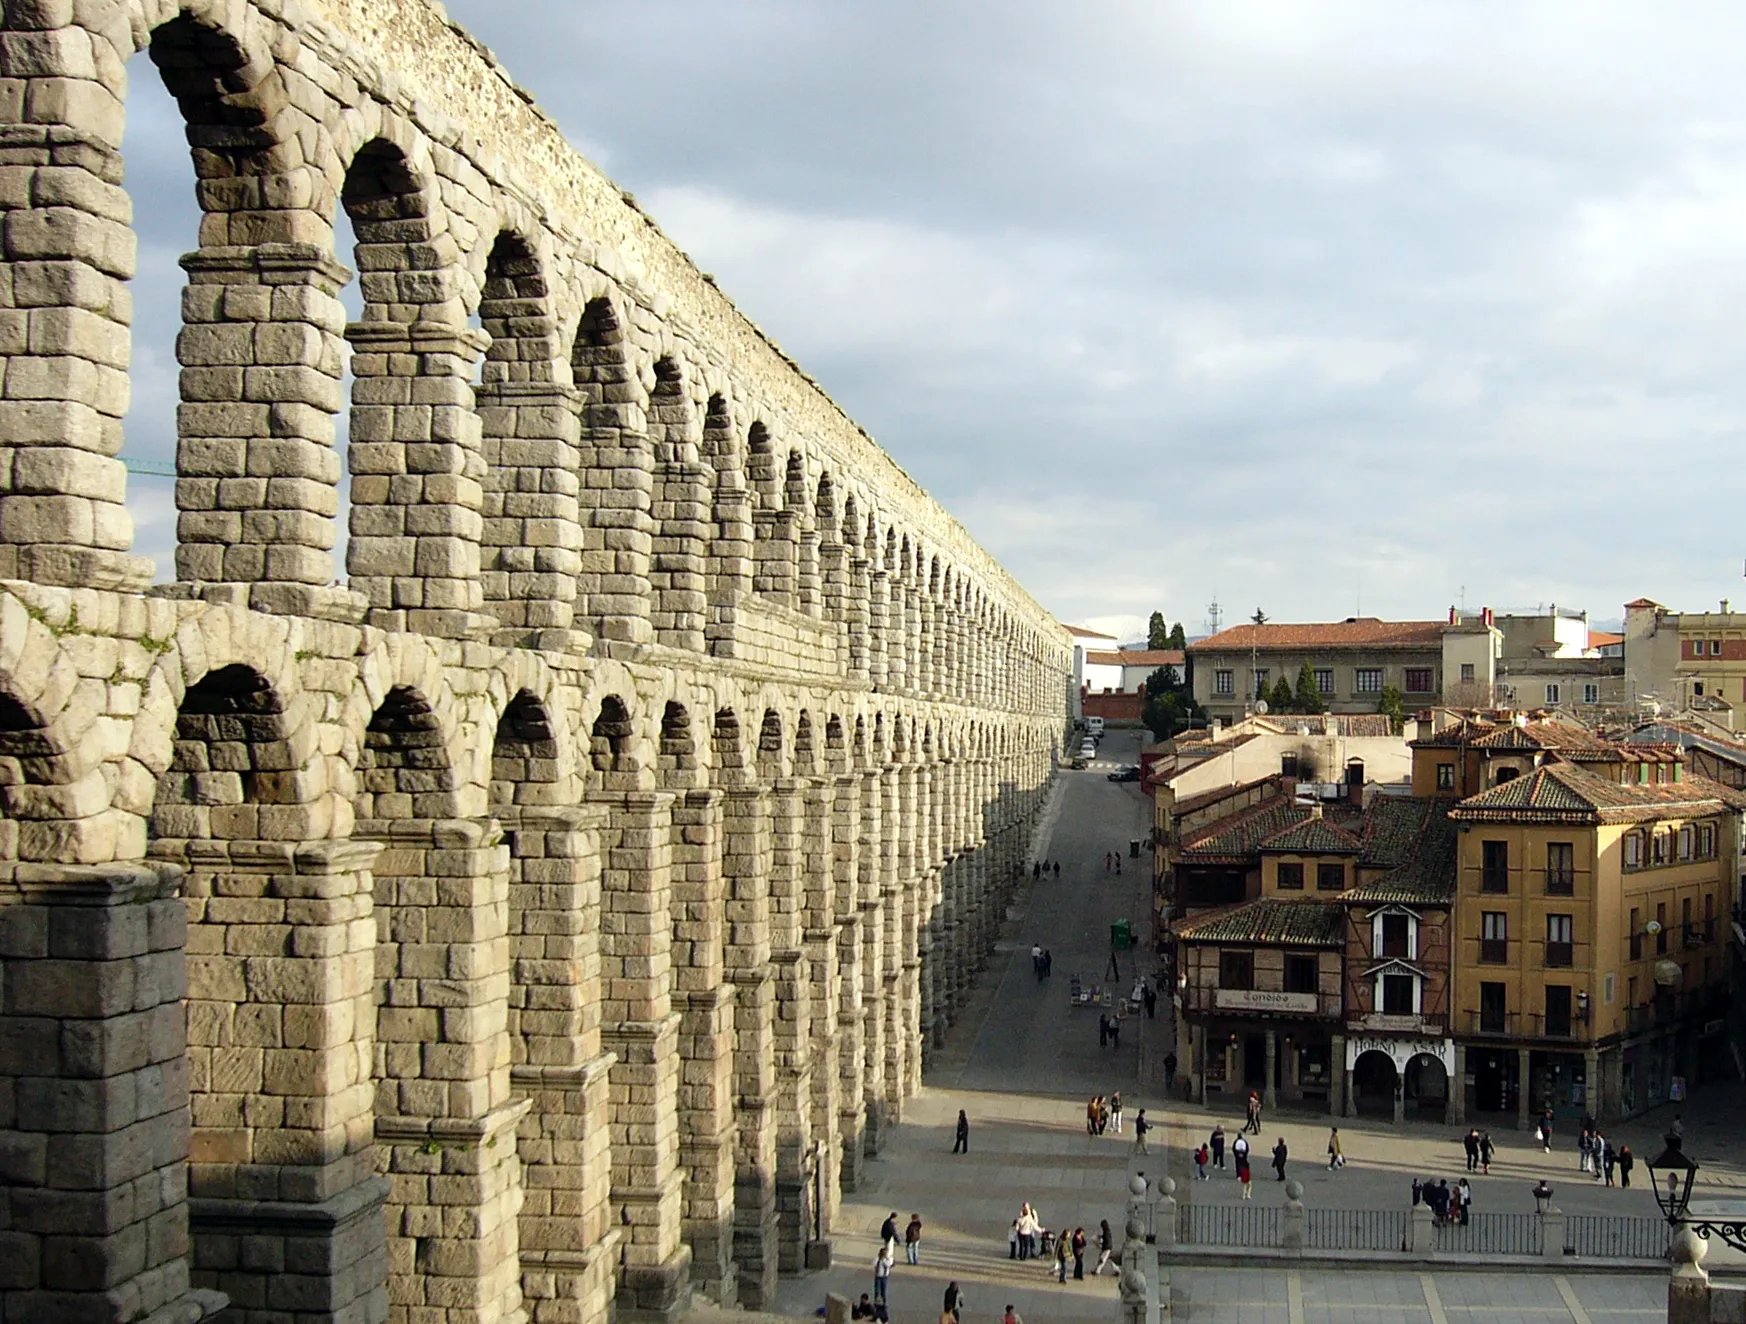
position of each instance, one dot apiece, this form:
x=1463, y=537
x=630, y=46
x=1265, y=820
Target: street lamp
x=1542, y=1193
x=1672, y=1174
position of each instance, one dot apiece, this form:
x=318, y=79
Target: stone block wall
x=551, y=917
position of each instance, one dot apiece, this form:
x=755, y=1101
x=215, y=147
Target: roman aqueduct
x=554, y=912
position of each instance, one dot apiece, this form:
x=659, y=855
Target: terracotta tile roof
x=1643, y=602
x=1197, y=802
x=1081, y=632
x=1353, y=632
x=1137, y=657
x=1604, y=639
x=1239, y=837
x=1566, y=793
x=1269, y=921
x=1416, y=842
x=1350, y=725
x=1464, y=731
x=1565, y=737
x=1313, y=836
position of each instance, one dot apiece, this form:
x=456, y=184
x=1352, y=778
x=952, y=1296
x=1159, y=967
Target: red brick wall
x=1114, y=707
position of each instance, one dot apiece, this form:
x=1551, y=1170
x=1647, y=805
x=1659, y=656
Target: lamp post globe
x=1671, y=1174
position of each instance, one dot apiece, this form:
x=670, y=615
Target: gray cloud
x=1267, y=300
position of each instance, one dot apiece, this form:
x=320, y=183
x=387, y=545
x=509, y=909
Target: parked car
x=1128, y=773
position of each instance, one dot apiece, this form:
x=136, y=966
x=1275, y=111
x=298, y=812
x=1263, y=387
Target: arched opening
x=1374, y=1084
x=1426, y=1087
x=28, y=759
x=612, y=444
x=681, y=513
x=610, y=744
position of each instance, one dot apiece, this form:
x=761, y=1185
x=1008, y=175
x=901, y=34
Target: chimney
x=1724, y=606
x=1316, y=809
x=1453, y=619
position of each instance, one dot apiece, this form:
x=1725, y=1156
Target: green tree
x=1393, y=707
x=1307, y=698
x=1178, y=637
x=1157, y=633
x=1280, y=699
x=1170, y=705
x=1163, y=681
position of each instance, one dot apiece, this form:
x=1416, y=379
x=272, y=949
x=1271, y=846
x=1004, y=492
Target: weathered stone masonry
x=557, y=911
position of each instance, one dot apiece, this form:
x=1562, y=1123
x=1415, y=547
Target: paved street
x=1022, y=1063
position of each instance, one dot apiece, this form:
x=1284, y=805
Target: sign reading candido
x=1258, y=999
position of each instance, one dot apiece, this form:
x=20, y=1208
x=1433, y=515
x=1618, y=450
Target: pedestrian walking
x=1243, y=1178
x=1149, y=996
x=1102, y=1115
x=1115, y=1026
x=1048, y=963
x=888, y=1233
x=1061, y=1258
x=1470, y=1143
x=912, y=1239
x=881, y=1274
x=1200, y=1160
x=1012, y=1241
x=1627, y=1161
x=1036, y=870
x=1546, y=1130
x=1455, y=1203
x=1091, y=1116
x=1240, y=1150
x=1141, y=1126
x=1418, y=1191
x=954, y=1302
x=1079, y=1253
x=1336, y=1155
x=1012, y=1316
x=1115, y=1112
x=1030, y=1227
x=1037, y=959
x=1106, y=1244
x=1279, y=1158
x=1218, y=1146
x=962, y=1144
x=1466, y=1200
x=1611, y=1159
x=1106, y=861
x=1598, y=1152
x=1486, y=1150
x=1253, y=1125
x=1585, y=1146
x=1169, y=1062
x=1118, y=860
x=1057, y=868
x=1102, y=1029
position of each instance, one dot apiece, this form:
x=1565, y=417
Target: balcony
x=1496, y=881
x=1500, y=1023
x=1555, y=1027
x=1494, y=951
x=1518, y=1025
x=1560, y=955
x=1560, y=882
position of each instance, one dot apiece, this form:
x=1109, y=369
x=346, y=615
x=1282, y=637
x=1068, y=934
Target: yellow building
x=1589, y=971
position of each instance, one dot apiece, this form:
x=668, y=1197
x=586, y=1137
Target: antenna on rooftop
x=1214, y=614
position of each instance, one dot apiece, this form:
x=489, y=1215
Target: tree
x=1281, y=699
x=1162, y=681
x=1157, y=633
x=1393, y=707
x=1178, y=637
x=1170, y=705
x=1308, y=697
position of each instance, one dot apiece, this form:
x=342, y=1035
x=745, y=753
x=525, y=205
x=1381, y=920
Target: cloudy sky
x=1316, y=307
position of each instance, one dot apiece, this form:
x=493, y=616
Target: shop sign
x=1259, y=999
x=1401, y=1049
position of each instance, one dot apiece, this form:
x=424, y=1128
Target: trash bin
x=1121, y=935
x=1134, y=849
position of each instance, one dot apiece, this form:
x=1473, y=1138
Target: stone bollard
x=1688, y=1288
x=1294, y=1216
x=1552, y=1233
x=1133, y=1283
x=836, y=1308
x=1422, y=1232
x=1164, y=1217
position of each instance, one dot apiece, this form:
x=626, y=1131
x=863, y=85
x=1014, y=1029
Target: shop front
x=1282, y=1057
x=1399, y=1077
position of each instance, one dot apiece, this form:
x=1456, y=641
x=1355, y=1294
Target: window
x=1330, y=877
x=1396, y=937
x=1697, y=688
x=1224, y=682
x=1706, y=841
x=1636, y=936
x=1418, y=680
x=1661, y=927
x=1709, y=916
x=1491, y=1008
x=1289, y=877
x=1494, y=942
x=1560, y=868
x=1467, y=673
x=1699, y=647
x=1237, y=970
x=1687, y=934
x=1552, y=693
x=1590, y=692
x=1505, y=774
x=1609, y=987
x=1558, y=1011
x=1634, y=850
x=1658, y=842
x=1260, y=682
x=1560, y=940
x=1300, y=974
x=1397, y=995
x=1324, y=680
x=1495, y=866
x=1288, y=763
x=1368, y=680
x=1445, y=776
x=1685, y=842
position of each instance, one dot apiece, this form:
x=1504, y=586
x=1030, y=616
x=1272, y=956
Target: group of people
x=1041, y=867
x=1449, y=1204
x=1600, y=1157
x=1212, y=1154
x=1103, y=1114
x=875, y=1308
x=1109, y=1030
x=1028, y=1239
x=1112, y=862
x=1479, y=1149
x=1042, y=961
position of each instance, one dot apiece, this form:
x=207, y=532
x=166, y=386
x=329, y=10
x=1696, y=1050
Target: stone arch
x=515, y=309
x=1375, y=1083
x=761, y=467
x=805, y=748
x=836, y=751
x=32, y=765
x=727, y=748
x=612, y=746
x=772, y=758
x=678, y=758
x=729, y=577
